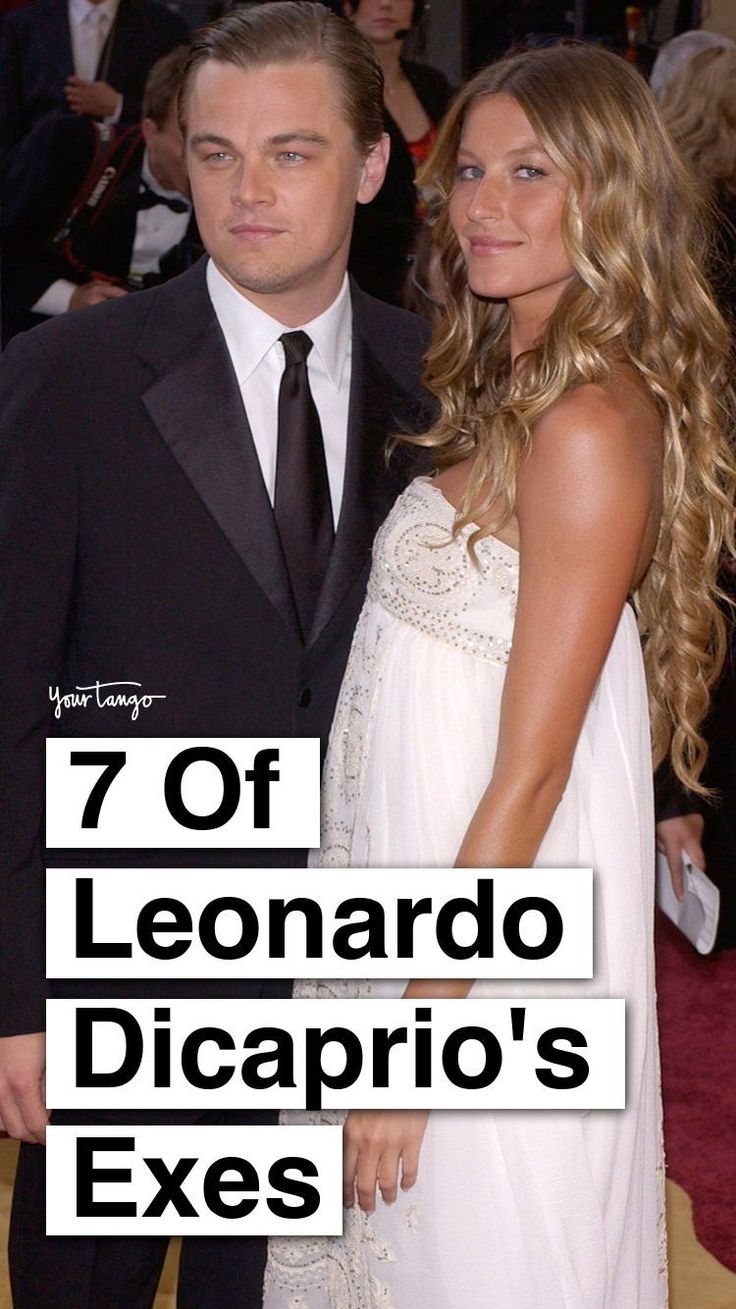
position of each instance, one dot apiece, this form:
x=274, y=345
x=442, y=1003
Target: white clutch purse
x=697, y=915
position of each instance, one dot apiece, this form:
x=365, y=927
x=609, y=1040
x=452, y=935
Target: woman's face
x=380, y=20
x=506, y=209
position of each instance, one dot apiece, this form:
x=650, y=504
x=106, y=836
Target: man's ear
x=149, y=130
x=374, y=170
x=348, y=8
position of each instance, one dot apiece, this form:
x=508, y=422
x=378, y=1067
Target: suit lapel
x=121, y=51
x=196, y=405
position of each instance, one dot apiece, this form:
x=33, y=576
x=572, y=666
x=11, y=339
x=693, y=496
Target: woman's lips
x=487, y=245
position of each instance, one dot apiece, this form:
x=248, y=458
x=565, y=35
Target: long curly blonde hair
x=699, y=108
x=639, y=296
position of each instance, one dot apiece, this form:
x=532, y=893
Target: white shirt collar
x=250, y=332
x=150, y=180
x=79, y=10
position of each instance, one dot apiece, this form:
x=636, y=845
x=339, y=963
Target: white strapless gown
x=512, y=1209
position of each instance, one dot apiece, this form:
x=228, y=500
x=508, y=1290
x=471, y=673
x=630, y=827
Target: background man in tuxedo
x=64, y=245
x=197, y=517
x=87, y=57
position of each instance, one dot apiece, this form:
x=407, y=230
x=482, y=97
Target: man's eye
x=291, y=156
x=217, y=156
x=468, y=172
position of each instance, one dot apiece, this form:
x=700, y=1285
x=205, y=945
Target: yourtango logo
x=102, y=695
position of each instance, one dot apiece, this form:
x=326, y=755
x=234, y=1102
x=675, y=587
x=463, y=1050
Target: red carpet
x=697, y=1024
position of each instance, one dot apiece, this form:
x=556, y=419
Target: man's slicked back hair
x=296, y=32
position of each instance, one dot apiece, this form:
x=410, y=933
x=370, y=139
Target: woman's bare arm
x=587, y=508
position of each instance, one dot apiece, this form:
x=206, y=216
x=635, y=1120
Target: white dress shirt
x=89, y=27
x=157, y=230
x=252, y=339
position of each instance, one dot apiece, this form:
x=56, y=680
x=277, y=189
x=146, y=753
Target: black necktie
x=148, y=198
x=302, y=498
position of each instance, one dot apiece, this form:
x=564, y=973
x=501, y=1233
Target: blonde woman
x=495, y=710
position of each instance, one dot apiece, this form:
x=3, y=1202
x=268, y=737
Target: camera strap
x=113, y=153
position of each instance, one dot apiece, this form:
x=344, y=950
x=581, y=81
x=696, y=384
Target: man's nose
x=251, y=184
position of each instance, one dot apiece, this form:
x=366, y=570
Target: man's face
x=166, y=152
x=275, y=175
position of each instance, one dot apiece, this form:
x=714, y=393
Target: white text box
x=182, y=792
x=336, y=1053
x=229, y=922
x=253, y=1197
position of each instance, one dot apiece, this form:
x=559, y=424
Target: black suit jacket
x=36, y=60
x=138, y=542
x=41, y=184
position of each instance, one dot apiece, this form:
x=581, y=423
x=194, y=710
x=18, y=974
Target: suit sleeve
x=38, y=519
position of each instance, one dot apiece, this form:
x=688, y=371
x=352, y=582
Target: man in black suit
x=90, y=215
x=83, y=56
x=155, y=527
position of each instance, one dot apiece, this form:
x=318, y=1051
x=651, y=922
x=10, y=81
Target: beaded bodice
x=426, y=577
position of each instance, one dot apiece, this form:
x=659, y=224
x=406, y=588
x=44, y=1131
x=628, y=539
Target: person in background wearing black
x=87, y=57
x=415, y=95
x=415, y=98
x=68, y=239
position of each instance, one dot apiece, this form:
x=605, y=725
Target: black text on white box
x=182, y=793
x=231, y=923
x=194, y=1181
x=521, y=1053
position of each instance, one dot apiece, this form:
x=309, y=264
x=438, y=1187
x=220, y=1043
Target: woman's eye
x=468, y=172
x=528, y=172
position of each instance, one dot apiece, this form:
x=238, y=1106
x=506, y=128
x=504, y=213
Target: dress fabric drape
x=512, y=1209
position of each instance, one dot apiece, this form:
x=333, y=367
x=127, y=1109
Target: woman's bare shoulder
x=595, y=467
x=618, y=418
